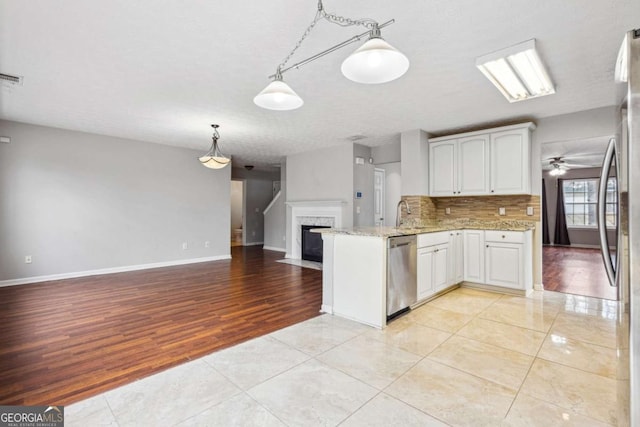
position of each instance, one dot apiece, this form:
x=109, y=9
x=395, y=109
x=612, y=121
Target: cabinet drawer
x=504, y=236
x=430, y=239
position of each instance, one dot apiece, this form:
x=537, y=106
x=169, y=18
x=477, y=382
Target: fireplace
x=314, y=213
x=311, y=246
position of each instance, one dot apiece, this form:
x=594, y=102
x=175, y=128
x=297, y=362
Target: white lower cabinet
x=433, y=263
x=504, y=265
x=425, y=272
x=508, y=259
x=489, y=257
x=456, y=261
x=474, y=251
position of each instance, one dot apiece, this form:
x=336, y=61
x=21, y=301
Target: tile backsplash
x=426, y=209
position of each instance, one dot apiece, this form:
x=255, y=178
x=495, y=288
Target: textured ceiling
x=162, y=71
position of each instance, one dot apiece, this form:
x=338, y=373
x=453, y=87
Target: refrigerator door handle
x=602, y=205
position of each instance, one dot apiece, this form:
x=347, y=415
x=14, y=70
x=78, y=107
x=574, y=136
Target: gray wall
x=414, y=152
x=577, y=236
x=393, y=191
x=573, y=127
x=275, y=219
x=325, y=174
x=77, y=202
x=237, y=196
x=363, y=177
x=388, y=153
x=257, y=195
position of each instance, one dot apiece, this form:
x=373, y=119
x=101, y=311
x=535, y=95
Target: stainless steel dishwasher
x=402, y=285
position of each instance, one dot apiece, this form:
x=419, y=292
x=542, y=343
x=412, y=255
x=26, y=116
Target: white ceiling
x=162, y=71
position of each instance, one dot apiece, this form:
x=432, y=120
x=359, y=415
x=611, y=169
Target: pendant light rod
x=331, y=49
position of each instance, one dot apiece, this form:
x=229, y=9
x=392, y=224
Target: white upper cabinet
x=443, y=168
x=493, y=161
x=510, y=162
x=473, y=165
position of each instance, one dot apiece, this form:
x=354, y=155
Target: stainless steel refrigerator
x=622, y=257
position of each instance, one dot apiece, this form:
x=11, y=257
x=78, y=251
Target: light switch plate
x=502, y=211
x=530, y=210
x=447, y=211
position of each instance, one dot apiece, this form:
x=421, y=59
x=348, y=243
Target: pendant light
x=278, y=96
x=376, y=61
x=214, y=158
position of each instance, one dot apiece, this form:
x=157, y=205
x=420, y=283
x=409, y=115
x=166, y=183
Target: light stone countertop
x=407, y=230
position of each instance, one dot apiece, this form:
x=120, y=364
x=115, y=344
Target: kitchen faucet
x=399, y=211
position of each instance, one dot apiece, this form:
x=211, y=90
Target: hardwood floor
x=63, y=341
x=576, y=271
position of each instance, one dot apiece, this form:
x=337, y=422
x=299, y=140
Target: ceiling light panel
x=517, y=72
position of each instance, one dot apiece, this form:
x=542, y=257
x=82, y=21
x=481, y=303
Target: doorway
x=237, y=212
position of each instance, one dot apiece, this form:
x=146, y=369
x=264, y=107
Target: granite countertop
x=383, y=231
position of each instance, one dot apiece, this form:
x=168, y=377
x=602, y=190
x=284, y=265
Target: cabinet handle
x=503, y=236
x=492, y=191
x=487, y=245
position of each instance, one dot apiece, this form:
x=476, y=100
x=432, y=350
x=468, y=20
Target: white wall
x=77, y=202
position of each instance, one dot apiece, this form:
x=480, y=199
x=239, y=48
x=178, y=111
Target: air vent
x=5, y=140
x=8, y=79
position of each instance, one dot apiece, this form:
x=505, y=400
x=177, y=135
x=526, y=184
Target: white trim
x=253, y=244
x=312, y=203
x=47, y=278
x=527, y=125
x=273, y=248
x=272, y=203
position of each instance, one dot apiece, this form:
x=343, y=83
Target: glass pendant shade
x=278, y=96
x=214, y=162
x=376, y=61
x=214, y=159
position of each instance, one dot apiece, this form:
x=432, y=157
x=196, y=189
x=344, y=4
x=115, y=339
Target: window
x=581, y=200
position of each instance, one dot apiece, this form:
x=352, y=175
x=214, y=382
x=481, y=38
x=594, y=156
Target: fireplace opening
x=311, y=246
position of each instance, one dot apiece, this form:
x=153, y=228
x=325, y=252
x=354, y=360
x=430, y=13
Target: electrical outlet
x=207, y=244
x=185, y=246
x=27, y=259
x=447, y=211
x=502, y=211
x=530, y=210
x=357, y=209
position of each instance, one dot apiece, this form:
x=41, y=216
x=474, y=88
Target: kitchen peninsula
x=494, y=255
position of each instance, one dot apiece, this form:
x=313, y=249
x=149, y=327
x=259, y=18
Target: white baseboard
x=326, y=309
x=253, y=244
x=273, y=248
x=538, y=287
x=73, y=275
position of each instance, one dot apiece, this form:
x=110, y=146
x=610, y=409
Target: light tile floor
x=468, y=358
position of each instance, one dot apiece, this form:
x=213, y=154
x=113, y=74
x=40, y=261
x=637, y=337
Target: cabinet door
x=504, y=265
x=474, y=252
x=473, y=165
x=441, y=267
x=442, y=168
x=425, y=273
x=510, y=164
x=458, y=258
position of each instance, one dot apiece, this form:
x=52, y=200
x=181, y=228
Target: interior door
x=378, y=197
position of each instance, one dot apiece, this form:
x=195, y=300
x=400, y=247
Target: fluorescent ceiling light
x=517, y=72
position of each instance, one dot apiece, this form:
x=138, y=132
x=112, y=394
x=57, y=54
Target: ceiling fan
x=559, y=166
